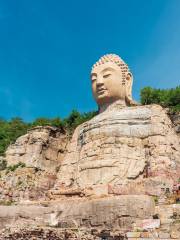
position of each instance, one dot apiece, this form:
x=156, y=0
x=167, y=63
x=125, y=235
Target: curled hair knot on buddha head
x=114, y=59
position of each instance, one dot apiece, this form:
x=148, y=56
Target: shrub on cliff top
x=10, y=131
x=12, y=168
x=75, y=119
x=165, y=97
x=3, y=163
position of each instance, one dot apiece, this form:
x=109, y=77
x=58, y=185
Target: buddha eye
x=106, y=75
x=93, y=79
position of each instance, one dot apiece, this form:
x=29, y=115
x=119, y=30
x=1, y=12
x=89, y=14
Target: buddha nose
x=100, y=81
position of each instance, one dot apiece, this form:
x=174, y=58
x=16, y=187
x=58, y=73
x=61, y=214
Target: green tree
x=57, y=122
x=41, y=122
x=165, y=97
x=10, y=131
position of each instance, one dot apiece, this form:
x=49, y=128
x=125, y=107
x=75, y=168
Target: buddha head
x=111, y=81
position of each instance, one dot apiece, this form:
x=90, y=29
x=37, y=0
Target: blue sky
x=47, y=49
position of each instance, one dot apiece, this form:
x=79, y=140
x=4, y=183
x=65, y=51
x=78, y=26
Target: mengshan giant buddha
x=125, y=143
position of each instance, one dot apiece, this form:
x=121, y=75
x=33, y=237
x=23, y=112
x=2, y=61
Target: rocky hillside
x=175, y=118
x=34, y=204
x=32, y=164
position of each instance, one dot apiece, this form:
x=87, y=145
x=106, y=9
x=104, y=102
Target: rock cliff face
x=118, y=178
x=25, y=184
x=41, y=151
x=176, y=122
x=41, y=147
x=121, y=146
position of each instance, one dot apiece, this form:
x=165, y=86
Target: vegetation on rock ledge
x=16, y=127
x=165, y=97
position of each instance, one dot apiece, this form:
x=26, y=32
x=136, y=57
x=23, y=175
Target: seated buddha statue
x=125, y=141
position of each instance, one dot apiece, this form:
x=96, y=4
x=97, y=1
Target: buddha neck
x=118, y=104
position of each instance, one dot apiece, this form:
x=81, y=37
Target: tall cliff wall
x=118, y=178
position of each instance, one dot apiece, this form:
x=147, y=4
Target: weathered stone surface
x=23, y=215
x=153, y=186
x=171, y=211
x=25, y=184
x=164, y=235
x=176, y=121
x=133, y=234
x=122, y=145
x=175, y=234
x=112, y=213
x=41, y=147
x=146, y=224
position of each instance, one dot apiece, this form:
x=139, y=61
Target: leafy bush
x=75, y=119
x=56, y=122
x=3, y=163
x=10, y=131
x=6, y=202
x=165, y=97
x=12, y=168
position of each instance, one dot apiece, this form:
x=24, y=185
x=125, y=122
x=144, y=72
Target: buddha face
x=107, y=83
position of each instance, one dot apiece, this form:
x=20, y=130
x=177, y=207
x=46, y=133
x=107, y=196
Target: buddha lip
x=101, y=90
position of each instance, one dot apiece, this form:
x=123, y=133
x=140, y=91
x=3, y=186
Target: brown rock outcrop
x=42, y=147
x=41, y=150
x=175, y=117
x=25, y=184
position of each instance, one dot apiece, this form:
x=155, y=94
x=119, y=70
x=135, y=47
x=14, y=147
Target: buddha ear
x=129, y=82
x=129, y=77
